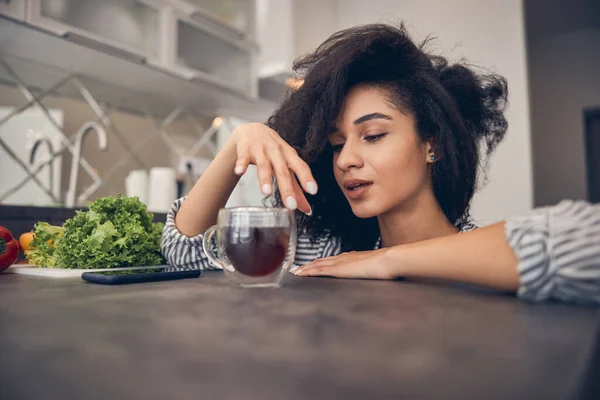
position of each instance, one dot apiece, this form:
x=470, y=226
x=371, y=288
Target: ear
x=430, y=151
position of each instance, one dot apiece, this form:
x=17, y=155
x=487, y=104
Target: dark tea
x=256, y=251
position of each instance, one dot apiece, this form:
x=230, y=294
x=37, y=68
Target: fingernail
x=266, y=189
x=239, y=170
x=295, y=267
x=309, y=213
x=312, y=187
x=297, y=272
x=290, y=203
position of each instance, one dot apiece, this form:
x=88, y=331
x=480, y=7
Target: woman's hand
x=259, y=145
x=374, y=264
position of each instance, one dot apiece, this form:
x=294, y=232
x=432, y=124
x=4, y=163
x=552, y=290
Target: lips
x=356, y=188
x=355, y=184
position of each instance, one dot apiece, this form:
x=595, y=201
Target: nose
x=349, y=157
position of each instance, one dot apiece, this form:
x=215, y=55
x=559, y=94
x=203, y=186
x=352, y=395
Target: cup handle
x=292, y=244
x=207, y=247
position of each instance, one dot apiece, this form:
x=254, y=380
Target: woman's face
x=379, y=161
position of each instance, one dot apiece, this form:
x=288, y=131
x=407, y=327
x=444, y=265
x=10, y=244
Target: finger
x=303, y=172
x=265, y=174
x=331, y=260
x=315, y=265
x=303, y=204
x=318, y=271
x=243, y=160
x=324, y=260
x=284, y=179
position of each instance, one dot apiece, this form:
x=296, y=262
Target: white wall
x=314, y=21
x=565, y=79
x=19, y=134
x=487, y=33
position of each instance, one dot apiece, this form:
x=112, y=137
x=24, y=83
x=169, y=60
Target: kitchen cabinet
x=13, y=8
x=42, y=59
x=213, y=41
x=205, y=42
x=202, y=54
x=235, y=16
x=129, y=28
x=176, y=36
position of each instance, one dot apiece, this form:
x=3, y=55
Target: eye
x=374, y=138
x=337, y=147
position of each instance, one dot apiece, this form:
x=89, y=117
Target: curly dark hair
x=452, y=104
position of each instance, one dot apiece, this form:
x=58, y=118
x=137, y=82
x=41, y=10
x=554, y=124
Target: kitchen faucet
x=81, y=134
x=36, y=145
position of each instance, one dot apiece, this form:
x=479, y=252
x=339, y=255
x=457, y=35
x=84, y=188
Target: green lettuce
x=43, y=245
x=116, y=232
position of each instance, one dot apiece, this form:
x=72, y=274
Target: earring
x=432, y=157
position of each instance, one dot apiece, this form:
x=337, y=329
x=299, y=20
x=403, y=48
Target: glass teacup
x=255, y=246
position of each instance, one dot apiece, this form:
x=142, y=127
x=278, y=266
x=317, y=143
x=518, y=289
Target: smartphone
x=127, y=277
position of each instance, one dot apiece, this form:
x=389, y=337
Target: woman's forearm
x=546, y=253
x=209, y=194
x=481, y=257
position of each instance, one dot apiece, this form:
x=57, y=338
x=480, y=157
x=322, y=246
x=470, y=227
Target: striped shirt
x=558, y=250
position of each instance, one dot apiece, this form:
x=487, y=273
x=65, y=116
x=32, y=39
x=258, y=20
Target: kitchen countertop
x=313, y=338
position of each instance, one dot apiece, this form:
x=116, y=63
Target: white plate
x=30, y=269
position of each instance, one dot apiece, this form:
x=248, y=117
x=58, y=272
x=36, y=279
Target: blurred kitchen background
x=99, y=97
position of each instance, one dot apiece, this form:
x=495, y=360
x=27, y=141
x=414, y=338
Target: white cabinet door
x=19, y=133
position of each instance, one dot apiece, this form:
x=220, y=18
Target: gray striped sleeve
x=308, y=250
x=184, y=252
x=559, y=252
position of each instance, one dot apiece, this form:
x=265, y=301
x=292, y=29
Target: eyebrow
x=370, y=117
x=363, y=119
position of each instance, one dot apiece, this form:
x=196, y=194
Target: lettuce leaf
x=115, y=232
x=43, y=245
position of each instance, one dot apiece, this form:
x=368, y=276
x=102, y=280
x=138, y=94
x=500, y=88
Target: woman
x=384, y=139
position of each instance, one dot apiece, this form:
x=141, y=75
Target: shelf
x=232, y=16
x=41, y=59
x=199, y=51
x=130, y=25
x=156, y=32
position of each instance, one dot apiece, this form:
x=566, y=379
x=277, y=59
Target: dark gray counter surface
x=314, y=338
